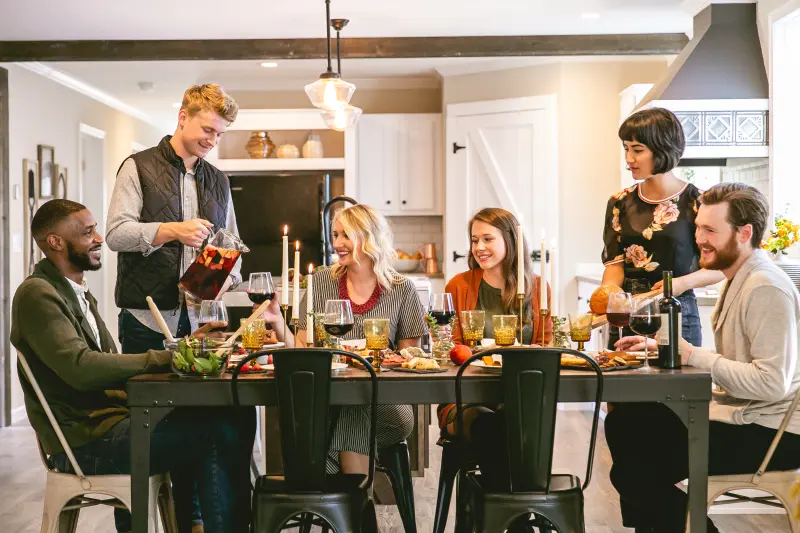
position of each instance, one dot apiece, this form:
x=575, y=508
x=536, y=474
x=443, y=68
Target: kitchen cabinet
x=398, y=163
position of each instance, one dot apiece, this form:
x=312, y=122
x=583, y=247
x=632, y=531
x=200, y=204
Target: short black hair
x=661, y=131
x=50, y=214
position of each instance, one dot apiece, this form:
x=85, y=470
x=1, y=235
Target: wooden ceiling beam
x=352, y=48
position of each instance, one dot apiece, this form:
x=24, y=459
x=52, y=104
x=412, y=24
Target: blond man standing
x=166, y=201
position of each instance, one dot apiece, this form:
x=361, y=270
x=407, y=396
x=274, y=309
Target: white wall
x=589, y=150
x=44, y=112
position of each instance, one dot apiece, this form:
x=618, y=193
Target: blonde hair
x=371, y=235
x=209, y=97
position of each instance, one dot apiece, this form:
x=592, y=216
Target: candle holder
x=295, y=322
x=520, y=300
x=543, y=315
x=284, y=308
x=311, y=329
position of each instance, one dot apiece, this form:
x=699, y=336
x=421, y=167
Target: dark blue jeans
x=207, y=445
x=135, y=337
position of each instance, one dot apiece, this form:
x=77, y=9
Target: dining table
x=687, y=391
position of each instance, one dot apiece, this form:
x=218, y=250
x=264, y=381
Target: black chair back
x=530, y=380
x=303, y=379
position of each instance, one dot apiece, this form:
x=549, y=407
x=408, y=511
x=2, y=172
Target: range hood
x=718, y=87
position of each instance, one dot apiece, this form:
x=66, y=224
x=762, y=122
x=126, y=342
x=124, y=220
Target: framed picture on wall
x=30, y=188
x=47, y=171
x=60, y=182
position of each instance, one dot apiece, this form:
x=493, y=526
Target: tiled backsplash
x=410, y=233
x=754, y=172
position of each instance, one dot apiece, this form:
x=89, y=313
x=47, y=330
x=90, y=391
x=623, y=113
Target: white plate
x=483, y=366
x=335, y=367
x=355, y=344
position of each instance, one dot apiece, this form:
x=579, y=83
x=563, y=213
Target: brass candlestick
x=295, y=321
x=543, y=314
x=520, y=300
x=285, y=307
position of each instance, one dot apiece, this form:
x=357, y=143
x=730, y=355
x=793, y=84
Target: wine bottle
x=670, y=332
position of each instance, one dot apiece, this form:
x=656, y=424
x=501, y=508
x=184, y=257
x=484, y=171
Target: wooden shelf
x=277, y=165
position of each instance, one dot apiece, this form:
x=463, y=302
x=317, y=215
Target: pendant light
x=345, y=116
x=330, y=91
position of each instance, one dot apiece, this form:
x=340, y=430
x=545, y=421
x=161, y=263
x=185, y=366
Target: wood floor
x=22, y=488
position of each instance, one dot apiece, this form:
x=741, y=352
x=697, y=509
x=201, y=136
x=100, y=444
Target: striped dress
x=402, y=306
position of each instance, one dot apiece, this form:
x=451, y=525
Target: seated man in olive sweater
x=56, y=326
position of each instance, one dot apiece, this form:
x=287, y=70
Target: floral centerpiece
x=785, y=234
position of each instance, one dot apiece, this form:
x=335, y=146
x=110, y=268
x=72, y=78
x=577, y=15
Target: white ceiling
x=204, y=19
x=242, y=19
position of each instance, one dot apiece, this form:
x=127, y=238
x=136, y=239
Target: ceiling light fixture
x=330, y=91
x=269, y=64
x=343, y=117
x=590, y=15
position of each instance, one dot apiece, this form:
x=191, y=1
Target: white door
x=508, y=160
x=93, y=195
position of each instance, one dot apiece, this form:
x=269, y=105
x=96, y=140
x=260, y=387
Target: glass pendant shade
x=330, y=93
x=342, y=118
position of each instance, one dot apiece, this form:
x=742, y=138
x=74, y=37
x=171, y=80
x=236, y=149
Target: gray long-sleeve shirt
x=125, y=233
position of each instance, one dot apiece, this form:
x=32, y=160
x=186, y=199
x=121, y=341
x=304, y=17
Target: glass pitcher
x=204, y=278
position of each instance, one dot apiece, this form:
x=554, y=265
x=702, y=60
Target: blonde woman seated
x=364, y=275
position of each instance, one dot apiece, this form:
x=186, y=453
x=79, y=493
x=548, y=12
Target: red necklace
x=359, y=309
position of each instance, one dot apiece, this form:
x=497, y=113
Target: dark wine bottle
x=670, y=332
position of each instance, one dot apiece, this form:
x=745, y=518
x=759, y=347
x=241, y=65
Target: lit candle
x=543, y=274
x=520, y=261
x=285, y=268
x=296, y=282
x=310, y=305
x=553, y=280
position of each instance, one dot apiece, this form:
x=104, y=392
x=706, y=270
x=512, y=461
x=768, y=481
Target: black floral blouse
x=649, y=237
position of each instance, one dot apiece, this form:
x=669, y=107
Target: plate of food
x=489, y=363
x=607, y=360
x=420, y=365
x=335, y=367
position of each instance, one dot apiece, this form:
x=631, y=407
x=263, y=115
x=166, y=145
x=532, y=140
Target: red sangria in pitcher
x=204, y=278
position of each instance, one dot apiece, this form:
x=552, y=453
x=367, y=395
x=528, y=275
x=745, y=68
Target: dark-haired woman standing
x=650, y=226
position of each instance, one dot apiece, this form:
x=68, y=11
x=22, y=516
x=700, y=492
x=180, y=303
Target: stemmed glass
x=213, y=311
x=338, y=320
x=645, y=321
x=619, y=310
x=442, y=311
x=261, y=287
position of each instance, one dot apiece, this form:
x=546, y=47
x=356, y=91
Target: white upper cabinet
x=399, y=163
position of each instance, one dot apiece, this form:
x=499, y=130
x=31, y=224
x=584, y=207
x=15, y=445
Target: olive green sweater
x=82, y=382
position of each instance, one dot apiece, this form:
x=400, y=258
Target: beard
x=82, y=260
x=724, y=257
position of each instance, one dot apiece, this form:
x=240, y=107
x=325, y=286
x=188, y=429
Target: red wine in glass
x=645, y=325
x=258, y=297
x=338, y=330
x=619, y=320
x=443, y=317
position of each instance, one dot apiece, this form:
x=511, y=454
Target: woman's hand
x=635, y=343
x=272, y=314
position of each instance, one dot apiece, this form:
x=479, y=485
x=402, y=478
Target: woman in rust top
x=491, y=285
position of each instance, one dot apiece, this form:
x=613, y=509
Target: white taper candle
x=543, y=274
x=310, y=305
x=285, y=268
x=520, y=261
x=296, y=282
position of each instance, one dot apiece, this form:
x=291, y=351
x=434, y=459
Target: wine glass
x=580, y=328
x=645, y=321
x=213, y=311
x=260, y=288
x=619, y=310
x=338, y=319
x=442, y=310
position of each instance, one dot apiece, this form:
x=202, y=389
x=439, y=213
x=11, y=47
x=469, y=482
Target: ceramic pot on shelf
x=288, y=151
x=313, y=146
x=260, y=146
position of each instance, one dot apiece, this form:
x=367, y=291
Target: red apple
x=460, y=353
